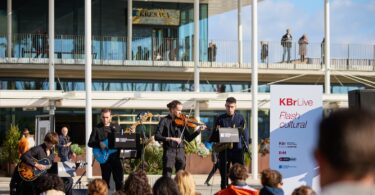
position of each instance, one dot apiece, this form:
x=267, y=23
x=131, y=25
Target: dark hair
x=97, y=187
x=303, y=190
x=271, y=178
x=50, y=182
x=231, y=100
x=165, y=186
x=173, y=104
x=51, y=137
x=137, y=183
x=105, y=110
x=346, y=141
x=238, y=172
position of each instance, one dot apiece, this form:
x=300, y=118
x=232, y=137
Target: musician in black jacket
x=113, y=165
x=235, y=151
x=170, y=134
x=43, y=151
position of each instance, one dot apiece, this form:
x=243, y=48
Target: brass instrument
x=219, y=147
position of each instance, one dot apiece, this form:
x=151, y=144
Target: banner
x=296, y=111
x=166, y=17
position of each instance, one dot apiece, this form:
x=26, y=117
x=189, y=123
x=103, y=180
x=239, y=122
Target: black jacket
x=38, y=153
x=168, y=128
x=100, y=133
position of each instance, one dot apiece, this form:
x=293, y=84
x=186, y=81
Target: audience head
x=185, y=182
x=97, y=187
x=50, y=182
x=303, y=190
x=26, y=132
x=238, y=172
x=346, y=147
x=64, y=130
x=271, y=178
x=165, y=186
x=137, y=183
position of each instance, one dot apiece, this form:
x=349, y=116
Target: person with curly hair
x=137, y=183
x=51, y=184
x=272, y=182
x=238, y=175
x=304, y=190
x=185, y=183
x=165, y=186
x=97, y=187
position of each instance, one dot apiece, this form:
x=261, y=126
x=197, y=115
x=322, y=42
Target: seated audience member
x=97, y=187
x=51, y=184
x=303, y=190
x=165, y=186
x=185, y=183
x=345, y=152
x=272, y=182
x=137, y=183
x=238, y=175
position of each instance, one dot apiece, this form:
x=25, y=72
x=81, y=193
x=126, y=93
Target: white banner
x=296, y=111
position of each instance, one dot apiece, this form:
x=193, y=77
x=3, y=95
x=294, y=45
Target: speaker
x=364, y=98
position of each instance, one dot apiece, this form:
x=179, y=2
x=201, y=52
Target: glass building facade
x=161, y=40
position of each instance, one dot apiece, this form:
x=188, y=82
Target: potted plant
x=197, y=154
x=9, y=152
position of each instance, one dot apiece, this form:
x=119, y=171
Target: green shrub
x=9, y=152
x=76, y=149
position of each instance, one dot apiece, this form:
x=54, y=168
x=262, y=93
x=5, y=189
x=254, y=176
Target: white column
x=254, y=91
x=130, y=29
x=51, y=61
x=239, y=29
x=196, y=60
x=88, y=73
x=327, y=49
x=9, y=27
x=51, y=43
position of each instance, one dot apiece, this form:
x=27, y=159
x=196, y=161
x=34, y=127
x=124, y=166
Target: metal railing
x=148, y=51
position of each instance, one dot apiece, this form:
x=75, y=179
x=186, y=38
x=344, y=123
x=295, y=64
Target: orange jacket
x=23, y=146
x=233, y=190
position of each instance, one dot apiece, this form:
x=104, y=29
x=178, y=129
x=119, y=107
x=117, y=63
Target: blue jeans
x=286, y=50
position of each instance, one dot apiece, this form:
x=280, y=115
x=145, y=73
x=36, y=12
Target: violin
x=183, y=120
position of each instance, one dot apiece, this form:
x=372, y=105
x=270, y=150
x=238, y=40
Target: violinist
x=172, y=130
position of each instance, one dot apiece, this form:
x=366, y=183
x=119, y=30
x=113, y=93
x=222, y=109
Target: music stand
x=228, y=135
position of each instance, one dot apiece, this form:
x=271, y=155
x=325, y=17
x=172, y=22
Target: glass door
x=164, y=44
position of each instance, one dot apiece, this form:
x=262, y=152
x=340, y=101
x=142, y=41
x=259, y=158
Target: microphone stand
x=143, y=146
x=244, y=143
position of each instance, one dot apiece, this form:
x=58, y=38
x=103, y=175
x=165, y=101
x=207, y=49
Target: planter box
x=196, y=164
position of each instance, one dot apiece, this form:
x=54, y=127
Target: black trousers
x=233, y=156
x=114, y=166
x=173, y=157
x=212, y=172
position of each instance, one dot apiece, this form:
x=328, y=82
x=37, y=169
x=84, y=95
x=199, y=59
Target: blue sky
x=352, y=21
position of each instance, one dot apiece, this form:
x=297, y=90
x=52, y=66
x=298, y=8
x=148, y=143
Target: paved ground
x=199, y=180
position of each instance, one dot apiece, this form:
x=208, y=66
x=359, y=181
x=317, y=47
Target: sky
x=352, y=21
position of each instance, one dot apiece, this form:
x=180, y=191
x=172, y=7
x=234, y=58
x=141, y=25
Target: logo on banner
x=287, y=159
x=295, y=102
x=286, y=166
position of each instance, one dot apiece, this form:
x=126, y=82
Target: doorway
x=165, y=44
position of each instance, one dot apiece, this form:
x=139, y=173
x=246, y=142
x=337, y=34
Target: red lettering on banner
x=295, y=102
